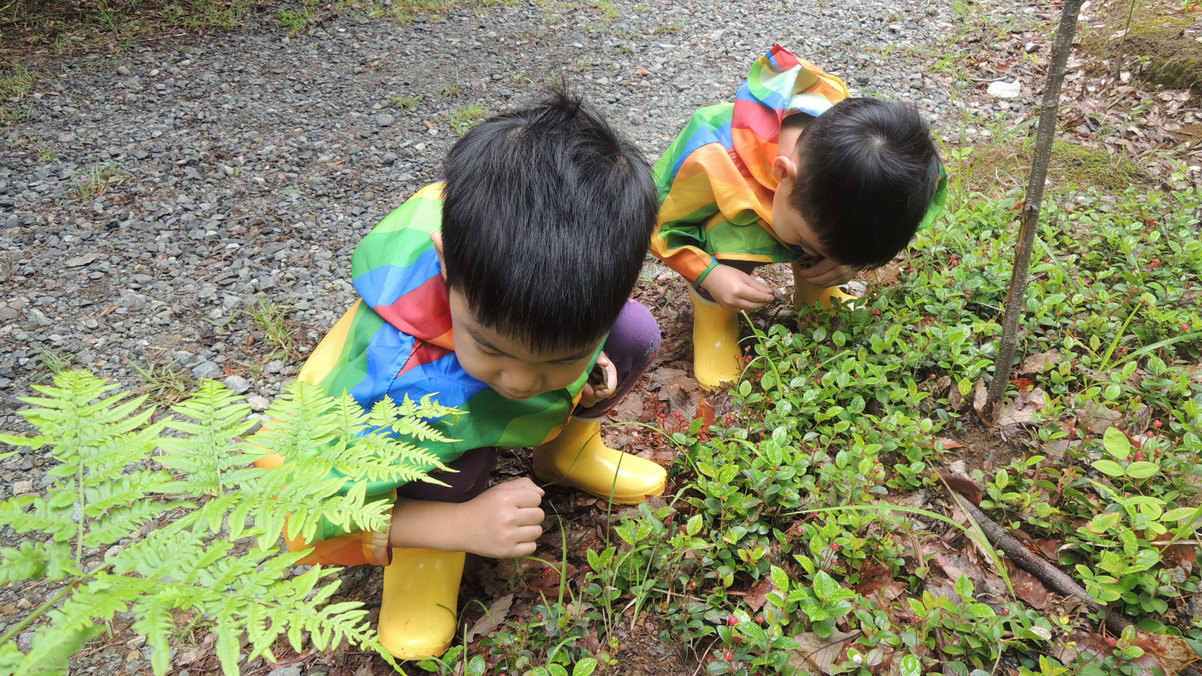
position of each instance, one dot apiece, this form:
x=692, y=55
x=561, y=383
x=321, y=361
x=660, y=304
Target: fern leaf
x=121, y=490
x=120, y=522
x=94, y=603
x=203, y=455
x=56, y=520
x=154, y=622
x=53, y=647
x=228, y=645
x=33, y=560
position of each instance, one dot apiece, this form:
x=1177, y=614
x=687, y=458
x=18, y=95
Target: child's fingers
x=523, y=549
x=527, y=533
x=523, y=484
x=530, y=516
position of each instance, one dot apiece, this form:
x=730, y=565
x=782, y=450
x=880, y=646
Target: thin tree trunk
x=1016, y=299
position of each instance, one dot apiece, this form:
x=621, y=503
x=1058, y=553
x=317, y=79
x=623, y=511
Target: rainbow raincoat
x=397, y=341
x=715, y=181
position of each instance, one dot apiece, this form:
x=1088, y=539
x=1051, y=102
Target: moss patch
x=1160, y=43
x=1003, y=167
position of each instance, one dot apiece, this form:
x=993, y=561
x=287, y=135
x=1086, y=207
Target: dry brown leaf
x=1171, y=652
x=1182, y=559
x=1081, y=643
x=1049, y=549
x=1029, y=588
x=757, y=596
x=546, y=581
x=1023, y=408
x=980, y=394
x=963, y=485
x=492, y=617
x=819, y=653
x=1097, y=418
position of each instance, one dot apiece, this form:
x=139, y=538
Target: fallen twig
x=1053, y=577
x=1050, y=575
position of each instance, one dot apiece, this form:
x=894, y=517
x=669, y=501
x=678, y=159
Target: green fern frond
x=28, y=513
x=33, y=560
x=302, y=422
x=53, y=647
x=161, y=555
x=96, y=602
x=155, y=620
x=121, y=521
x=106, y=459
x=77, y=420
x=121, y=490
x=103, y=492
x=203, y=455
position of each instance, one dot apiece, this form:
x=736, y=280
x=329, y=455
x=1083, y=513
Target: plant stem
x=1016, y=298
x=20, y=626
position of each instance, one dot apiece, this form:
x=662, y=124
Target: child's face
x=793, y=229
x=507, y=365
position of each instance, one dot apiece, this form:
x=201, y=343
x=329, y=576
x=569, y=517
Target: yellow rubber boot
x=577, y=458
x=421, y=594
x=715, y=343
x=805, y=293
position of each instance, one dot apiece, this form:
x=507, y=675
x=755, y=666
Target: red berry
x=1185, y=327
x=732, y=620
x=1139, y=456
x=834, y=546
x=692, y=584
x=1157, y=424
x=728, y=655
x=759, y=619
x=876, y=312
x=539, y=617
x=1110, y=641
x=1149, y=432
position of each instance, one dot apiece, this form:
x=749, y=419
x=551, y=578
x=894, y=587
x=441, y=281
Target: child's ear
x=436, y=237
x=784, y=168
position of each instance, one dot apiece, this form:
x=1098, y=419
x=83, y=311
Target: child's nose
x=521, y=381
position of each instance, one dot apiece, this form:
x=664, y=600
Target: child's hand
x=736, y=290
x=503, y=521
x=591, y=394
x=825, y=273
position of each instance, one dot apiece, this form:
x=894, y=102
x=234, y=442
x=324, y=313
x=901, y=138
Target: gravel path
x=154, y=195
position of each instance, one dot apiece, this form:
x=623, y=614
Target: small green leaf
x=1108, y=467
x=1117, y=444
x=1142, y=469
x=585, y=667
x=1179, y=514
x=476, y=666
x=910, y=666
x=1103, y=522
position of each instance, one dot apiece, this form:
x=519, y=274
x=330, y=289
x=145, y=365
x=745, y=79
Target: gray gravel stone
x=238, y=384
x=206, y=369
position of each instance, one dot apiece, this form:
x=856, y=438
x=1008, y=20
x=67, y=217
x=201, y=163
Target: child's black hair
x=867, y=173
x=547, y=215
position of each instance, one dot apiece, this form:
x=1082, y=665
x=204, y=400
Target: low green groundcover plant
x=794, y=546
x=169, y=522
